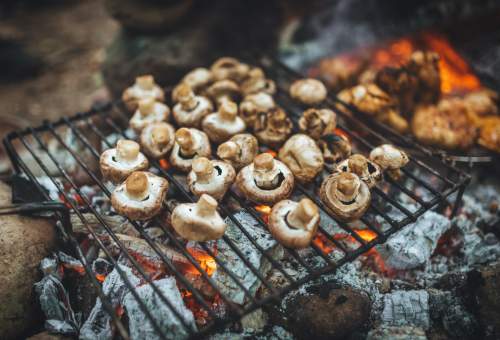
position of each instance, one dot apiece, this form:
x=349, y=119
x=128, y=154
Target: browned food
x=425, y=66
x=341, y=72
x=480, y=104
x=489, y=133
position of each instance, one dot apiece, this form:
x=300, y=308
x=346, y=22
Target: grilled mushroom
x=229, y=68
x=389, y=158
x=198, y=79
x=221, y=125
x=302, y=156
x=239, y=151
x=191, y=108
x=254, y=104
x=368, y=171
x=346, y=195
x=141, y=196
x=273, y=127
x=157, y=139
x=266, y=180
x=308, y=91
x=149, y=111
x=199, y=221
x=118, y=163
x=223, y=90
x=294, y=224
x=189, y=144
x=318, y=122
x=335, y=148
x=144, y=87
x=210, y=177
x=256, y=82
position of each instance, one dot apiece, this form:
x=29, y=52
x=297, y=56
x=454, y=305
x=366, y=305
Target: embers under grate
x=426, y=183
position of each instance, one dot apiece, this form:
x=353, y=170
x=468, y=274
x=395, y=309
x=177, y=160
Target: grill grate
x=426, y=182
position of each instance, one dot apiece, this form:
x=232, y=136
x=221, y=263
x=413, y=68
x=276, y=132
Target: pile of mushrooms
x=144, y=87
x=222, y=125
x=210, y=177
x=189, y=144
x=119, y=162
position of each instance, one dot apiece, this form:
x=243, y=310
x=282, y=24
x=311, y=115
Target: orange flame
x=271, y=152
x=206, y=262
x=100, y=277
x=164, y=164
x=264, y=211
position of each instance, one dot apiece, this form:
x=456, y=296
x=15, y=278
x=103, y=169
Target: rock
x=329, y=313
x=488, y=300
x=396, y=333
x=24, y=242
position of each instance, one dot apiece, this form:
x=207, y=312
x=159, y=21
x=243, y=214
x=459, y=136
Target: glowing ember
x=77, y=268
x=366, y=234
x=164, y=164
x=340, y=132
x=397, y=53
x=206, y=262
x=323, y=243
x=264, y=211
x=100, y=277
x=271, y=152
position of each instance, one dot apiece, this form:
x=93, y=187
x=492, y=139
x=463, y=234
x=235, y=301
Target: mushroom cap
x=318, y=122
x=294, y=224
x=191, y=109
x=335, y=148
x=190, y=143
x=387, y=156
x=141, y=196
x=256, y=82
x=198, y=78
x=308, y=91
x=346, y=195
x=368, y=171
x=265, y=180
x=368, y=98
x=229, y=68
x=302, y=156
x=223, y=89
x=210, y=177
x=119, y=162
x=149, y=111
x=240, y=150
x=144, y=87
x=157, y=139
x=254, y=104
x=222, y=125
x=273, y=127
x=199, y=221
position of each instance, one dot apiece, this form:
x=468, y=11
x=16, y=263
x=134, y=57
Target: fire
x=100, y=277
x=366, y=234
x=164, y=164
x=271, y=152
x=395, y=54
x=206, y=262
x=264, y=211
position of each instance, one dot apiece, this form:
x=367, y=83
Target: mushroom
x=222, y=125
x=368, y=171
x=144, y=87
x=389, y=158
x=266, y=180
x=141, y=196
x=198, y=79
x=254, y=104
x=239, y=151
x=318, y=122
x=210, y=177
x=190, y=109
x=256, y=82
x=272, y=127
x=149, y=111
x=335, y=148
x=302, y=156
x=189, y=144
x=223, y=90
x=308, y=91
x=229, y=68
x=346, y=196
x=199, y=221
x=157, y=139
x=294, y=224
x=118, y=163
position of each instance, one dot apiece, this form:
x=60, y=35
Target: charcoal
x=406, y=308
x=397, y=333
x=118, y=224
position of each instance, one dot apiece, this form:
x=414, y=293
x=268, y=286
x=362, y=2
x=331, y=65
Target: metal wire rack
x=426, y=182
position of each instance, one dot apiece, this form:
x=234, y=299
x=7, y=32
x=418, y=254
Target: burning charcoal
x=140, y=326
x=409, y=308
x=397, y=333
x=118, y=224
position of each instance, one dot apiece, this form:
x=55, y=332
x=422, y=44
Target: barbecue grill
x=427, y=182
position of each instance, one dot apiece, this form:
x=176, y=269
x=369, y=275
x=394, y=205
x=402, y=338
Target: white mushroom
x=266, y=180
x=318, y=122
x=157, y=139
x=210, y=177
x=118, y=163
x=198, y=79
x=199, y=221
x=222, y=125
x=368, y=171
x=335, y=148
x=254, y=104
x=144, y=87
x=223, y=90
x=141, y=196
x=149, y=111
x=302, y=156
x=308, y=91
x=239, y=151
x=294, y=224
x=273, y=127
x=256, y=82
x=346, y=196
x=390, y=159
x=190, y=109
x=189, y=144
x=229, y=68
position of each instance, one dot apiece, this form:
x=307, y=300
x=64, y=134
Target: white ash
x=406, y=308
x=396, y=333
x=140, y=326
x=274, y=333
x=49, y=185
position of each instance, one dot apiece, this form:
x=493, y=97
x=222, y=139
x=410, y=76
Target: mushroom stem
x=206, y=205
x=304, y=211
x=357, y=164
x=186, y=97
x=186, y=142
x=137, y=185
x=146, y=106
x=145, y=82
x=228, y=150
x=203, y=169
x=265, y=172
x=347, y=186
x=160, y=135
x=228, y=110
x=264, y=162
x=127, y=150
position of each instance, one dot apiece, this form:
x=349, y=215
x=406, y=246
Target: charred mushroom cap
x=141, y=196
x=223, y=90
x=149, y=111
x=199, y=221
x=254, y=104
x=189, y=144
x=265, y=180
x=157, y=139
x=210, y=177
x=239, y=151
x=119, y=162
x=144, y=87
x=308, y=91
x=229, y=68
x=318, y=122
x=346, y=196
x=368, y=171
x=389, y=158
x=191, y=109
x=222, y=125
x=302, y=156
x=256, y=82
x=273, y=127
x=294, y=224
x=335, y=148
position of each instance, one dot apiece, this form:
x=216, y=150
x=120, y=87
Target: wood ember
x=406, y=308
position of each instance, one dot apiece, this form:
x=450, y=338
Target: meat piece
x=489, y=133
x=340, y=72
x=425, y=66
x=400, y=84
x=481, y=103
